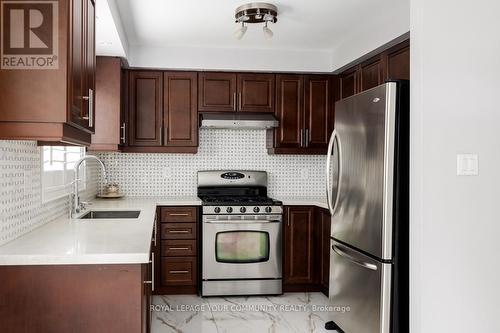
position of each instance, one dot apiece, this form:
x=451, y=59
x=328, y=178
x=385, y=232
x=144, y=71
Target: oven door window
x=242, y=247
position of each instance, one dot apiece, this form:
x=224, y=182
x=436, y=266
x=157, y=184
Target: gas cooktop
x=240, y=201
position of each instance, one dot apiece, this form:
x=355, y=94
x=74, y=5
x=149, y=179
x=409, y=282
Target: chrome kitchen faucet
x=76, y=205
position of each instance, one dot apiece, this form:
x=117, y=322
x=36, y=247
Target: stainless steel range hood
x=239, y=120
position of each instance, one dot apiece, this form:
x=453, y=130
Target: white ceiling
x=108, y=42
x=182, y=27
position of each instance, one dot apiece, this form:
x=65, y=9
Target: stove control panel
x=246, y=210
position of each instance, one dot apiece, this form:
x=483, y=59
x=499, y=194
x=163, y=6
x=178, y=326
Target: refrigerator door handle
x=329, y=195
x=351, y=258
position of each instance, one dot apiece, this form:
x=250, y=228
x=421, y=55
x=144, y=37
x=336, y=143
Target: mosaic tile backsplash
x=175, y=174
x=21, y=207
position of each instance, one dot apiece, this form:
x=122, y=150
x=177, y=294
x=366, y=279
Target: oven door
x=242, y=248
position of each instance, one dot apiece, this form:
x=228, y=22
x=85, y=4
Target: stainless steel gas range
x=241, y=234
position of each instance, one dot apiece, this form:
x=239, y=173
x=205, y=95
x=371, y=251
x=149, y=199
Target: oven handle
x=241, y=222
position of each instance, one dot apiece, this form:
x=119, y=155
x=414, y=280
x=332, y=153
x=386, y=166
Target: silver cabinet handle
x=358, y=262
x=306, y=137
x=178, y=214
x=234, y=101
x=301, y=137
x=178, y=272
x=178, y=248
x=155, y=232
x=123, y=137
x=90, y=99
x=152, y=281
x=179, y=231
x=91, y=108
x=329, y=195
x=153, y=271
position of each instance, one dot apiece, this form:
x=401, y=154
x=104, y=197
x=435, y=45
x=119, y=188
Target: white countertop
x=105, y=241
x=68, y=241
x=304, y=201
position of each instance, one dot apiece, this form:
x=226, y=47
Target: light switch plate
x=467, y=165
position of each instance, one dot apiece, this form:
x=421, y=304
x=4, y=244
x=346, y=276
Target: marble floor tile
x=291, y=312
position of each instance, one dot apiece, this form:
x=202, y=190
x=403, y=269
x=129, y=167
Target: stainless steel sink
x=111, y=214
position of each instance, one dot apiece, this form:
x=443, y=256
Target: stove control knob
x=256, y=209
x=243, y=209
x=269, y=209
x=217, y=210
x=229, y=209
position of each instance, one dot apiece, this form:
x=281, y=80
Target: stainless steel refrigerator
x=367, y=193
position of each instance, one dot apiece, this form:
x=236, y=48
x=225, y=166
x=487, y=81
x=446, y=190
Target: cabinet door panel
x=318, y=110
x=348, y=83
x=90, y=64
x=323, y=221
x=398, y=63
x=256, y=92
x=217, y=92
x=371, y=74
x=145, y=108
x=180, y=111
x=299, y=250
x=289, y=110
x=77, y=79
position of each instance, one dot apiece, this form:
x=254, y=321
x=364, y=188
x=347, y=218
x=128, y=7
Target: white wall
x=366, y=37
x=231, y=59
x=455, y=221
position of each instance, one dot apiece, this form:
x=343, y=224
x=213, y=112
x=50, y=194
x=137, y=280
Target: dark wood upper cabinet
x=371, y=74
x=82, y=80
x=77, y=78
x=145, y=110
x=161, y=113
x=107, y=105
x=348, y=83
x=256, y=92
x=289, y=111
x=298, y=247
x=304, y=108
x=180, y=109
x=216, y=92
x=392, y=64
x=55, y=105
x=318, y=110
x=398, y=62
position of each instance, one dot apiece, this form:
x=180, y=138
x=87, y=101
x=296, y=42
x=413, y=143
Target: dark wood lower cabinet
x=323, y=227
x=75, y=298
x=299, y=274
x=306, y=249
x=177, y=258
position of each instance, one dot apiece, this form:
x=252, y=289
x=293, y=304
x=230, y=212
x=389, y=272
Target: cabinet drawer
x=178, y=248
x=178, y=231
x=178, y=271
x=179, y=214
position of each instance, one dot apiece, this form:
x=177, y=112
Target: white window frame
x=57, y=174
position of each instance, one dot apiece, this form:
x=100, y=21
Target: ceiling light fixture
x=240, y=31
x=255, y=12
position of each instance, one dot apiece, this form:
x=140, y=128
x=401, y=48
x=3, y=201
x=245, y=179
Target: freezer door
x=359, y=291
x=365, y=129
